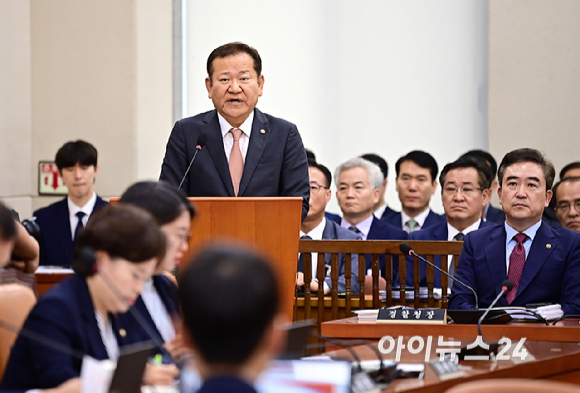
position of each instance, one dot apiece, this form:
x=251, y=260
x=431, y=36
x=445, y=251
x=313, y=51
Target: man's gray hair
x=375, y=175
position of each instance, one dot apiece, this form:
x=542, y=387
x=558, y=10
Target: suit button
x=122, y=332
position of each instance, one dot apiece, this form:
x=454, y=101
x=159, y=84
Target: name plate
x=420, y=316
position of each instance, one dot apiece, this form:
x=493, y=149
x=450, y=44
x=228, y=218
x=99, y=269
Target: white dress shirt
x=419, y=218
x=246, y=128
x=74, y=209
x=158, y=312
x=364, y=226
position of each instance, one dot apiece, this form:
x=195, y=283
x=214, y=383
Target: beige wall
x=15, y=128
x=534, y=78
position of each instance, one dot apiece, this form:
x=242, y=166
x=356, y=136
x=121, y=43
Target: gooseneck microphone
x=406, y=249
x=201, y=141
x=506, y=286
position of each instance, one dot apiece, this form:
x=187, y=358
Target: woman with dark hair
x=158, y=303
x=123, y=245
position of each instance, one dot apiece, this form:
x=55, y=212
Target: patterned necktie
x=355, y=230
x=80, y=225
x=517, y=261
x=411, y=224
x=236, y=160
x=459, y=237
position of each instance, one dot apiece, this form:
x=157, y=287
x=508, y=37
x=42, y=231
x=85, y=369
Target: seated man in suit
x=542, y=262
x=567, y=202
x=358, y=182
x=416, y=183
x=233, y=335
x=489, y=213
x=464, y=191
x=248, y=153
x=381, y=209
x=60, y=222
x=318, y=227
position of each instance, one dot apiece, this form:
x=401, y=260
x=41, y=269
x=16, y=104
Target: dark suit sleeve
x=175, y=160
x=461, y=297
x=294, y=175
x=49, y=367
x=570, y=291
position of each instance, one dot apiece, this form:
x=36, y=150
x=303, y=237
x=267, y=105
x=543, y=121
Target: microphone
x=41, y=339
x=201, y=141
x=406, y=249
x=506, y=286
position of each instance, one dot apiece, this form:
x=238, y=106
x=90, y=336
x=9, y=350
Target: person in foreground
x=79, y=313
x=158, y=302
x=542, y=262
x=233, y=337
x=248, y=153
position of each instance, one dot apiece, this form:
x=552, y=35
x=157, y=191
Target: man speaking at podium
x=244, y=152
x=542, y=262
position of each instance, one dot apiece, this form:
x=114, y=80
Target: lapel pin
x=122, y=332
x=548, y=246
x=262, y=131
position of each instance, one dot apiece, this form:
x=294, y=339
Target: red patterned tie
x=517, y=261
x=236, y=160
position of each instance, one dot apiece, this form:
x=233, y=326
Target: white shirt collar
x=73, y=209
x=364, y=226
x=316, y=233
x=246, y=126
x=420, y=218
x=451, y=231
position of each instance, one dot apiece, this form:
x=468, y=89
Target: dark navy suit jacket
x=551, y=272
x=226, y=385
x=275, y=164
x=167, y=291
x=494, y=215
x=333, y=231
x=56, y=245
x=395, y=220
x=437, y=232
x=66, y=315
x=379, y=230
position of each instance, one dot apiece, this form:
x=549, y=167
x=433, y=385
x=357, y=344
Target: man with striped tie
x=542, y=262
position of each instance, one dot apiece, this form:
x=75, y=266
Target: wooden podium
x=271, y=225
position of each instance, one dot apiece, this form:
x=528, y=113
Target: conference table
x=553, y=351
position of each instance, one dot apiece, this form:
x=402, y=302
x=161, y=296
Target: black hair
x=380, y=161
x=569, y=167
x=77, y=152
x=122, y=231
x=421, y=158
x=324, y=170
x=310, y=154
x=575, y=179
x=229, y=296
x=489, y=160
x=527, y=155
x=7, y=224
x=483, y=170
x=232, y=49
x=163, y=200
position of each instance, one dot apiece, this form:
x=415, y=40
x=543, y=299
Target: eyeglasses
x=315, y=188
x=565, y=207
x=182, y=237
x=468, y=191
